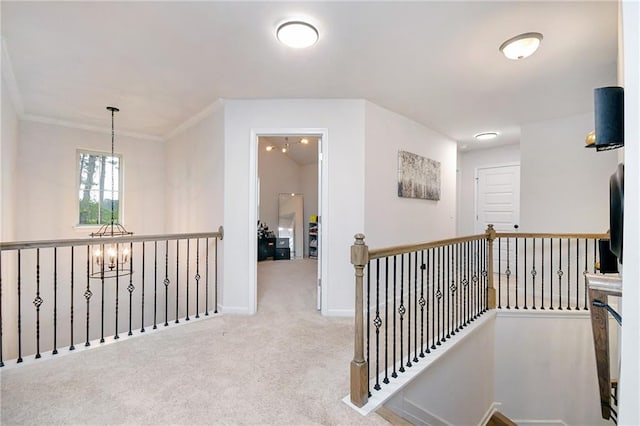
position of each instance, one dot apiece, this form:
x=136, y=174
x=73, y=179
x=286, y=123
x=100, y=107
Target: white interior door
x=498, y=198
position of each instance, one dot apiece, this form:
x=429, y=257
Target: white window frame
x=120, y=185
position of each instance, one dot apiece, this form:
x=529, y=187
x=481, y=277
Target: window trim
x=121, y=207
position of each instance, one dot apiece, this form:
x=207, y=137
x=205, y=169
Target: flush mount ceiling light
x=297, y=34
x=521, y=46
x=485, y=136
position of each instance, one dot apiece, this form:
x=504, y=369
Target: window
x=99, y=188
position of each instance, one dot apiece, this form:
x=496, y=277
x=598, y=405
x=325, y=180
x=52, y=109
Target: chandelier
x=111, y=259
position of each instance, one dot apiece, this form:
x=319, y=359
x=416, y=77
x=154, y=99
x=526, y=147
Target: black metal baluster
x=499, y=273
x=433, y=298
x=55, y=301
x=568, y=274
x=155, y=284
x=116, y=336
x=427, y=302
x=88, y=293
x=476, y=300
x=394, y=373
x=422, y=303
x=188, y=261
x=215, y=287
x=197, y=277
x=1, y=337
x=577, y=274
x=525, y=273
x=37, y=303
x=130, y=287
x=177, y=279
x=439, y=295
x=401, y=310
x=377, y=322
x=143, y=265
x=386, y=320
x=533, y=276
x=508, y=273
x=551, y=273
x=102, y=299
x=367, y=306
x=517, y=261
x=166, y=283
x=485, y=275
x=542, y=271
x=71, y=347
x=447, y=288
x=19, y=307
x=409, y=311
x=458, y=290
x=415, y=307
x=560, y=273
x=465, y=283
x=206, y=290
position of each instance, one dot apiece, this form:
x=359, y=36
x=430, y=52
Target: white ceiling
x=435, y=62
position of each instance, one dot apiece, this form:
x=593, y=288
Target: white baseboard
x=540, y=423
x=243, y=310
x=339, y=313
x=420, y=416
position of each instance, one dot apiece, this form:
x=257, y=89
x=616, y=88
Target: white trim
x=475, y=187
x=73, y=125
x=253, y=206
x=547, y=313
x=337, y=312
x=195, y=119
x=380, y=397
x=489, y=413
x=11, y=82
x=540, y=422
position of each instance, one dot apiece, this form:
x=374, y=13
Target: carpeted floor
x=287, y=365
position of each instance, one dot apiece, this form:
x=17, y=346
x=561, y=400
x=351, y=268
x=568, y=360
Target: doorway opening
x=288, y=200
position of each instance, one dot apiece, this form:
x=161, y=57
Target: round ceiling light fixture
x=485, y=136
x=521, y=46
x=297, y=34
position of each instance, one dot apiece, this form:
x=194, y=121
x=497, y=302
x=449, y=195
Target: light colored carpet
x=286, y=365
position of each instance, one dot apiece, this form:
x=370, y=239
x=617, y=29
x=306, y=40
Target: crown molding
x=190, y=122
x=73, y=125
x=10, y=80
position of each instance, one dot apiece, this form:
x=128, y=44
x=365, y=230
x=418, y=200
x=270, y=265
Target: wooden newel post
x=359, y=391
x=491, y=235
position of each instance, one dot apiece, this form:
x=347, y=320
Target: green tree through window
x=99, y=188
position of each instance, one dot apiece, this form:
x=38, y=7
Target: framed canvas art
x=418, y=177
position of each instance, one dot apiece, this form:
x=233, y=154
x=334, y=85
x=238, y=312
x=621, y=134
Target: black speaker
x=609, y=117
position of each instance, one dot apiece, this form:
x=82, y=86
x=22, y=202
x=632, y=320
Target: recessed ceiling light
x=297, y=34
x=521, y=46
x=485, y=136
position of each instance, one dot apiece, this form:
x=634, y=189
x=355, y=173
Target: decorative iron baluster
x=368, y=308
x=386, y=320
x=586, y=263
x=458, y=282
x=143, y=265
x=415, y=307
x=197, y=278
x=166, y=283
x=542, y=272
x=422, y=303
x=55, y=301
x=215, y=268
x=439, y=295
x=394, y=374
x=465, y=283
x=19, y=307
x=577, y=274
x=155, y=285
x=377, y=322
x=427, y=350
x=499, y=273
x=37, y=303
x=102, y=299
x=446, y=266
x=517, y=258
x=116, y=336
x=485, y=275
x=88, y=294
x=401, y=310
x=433, y=299
x=560, y=274
x=177, y=279
x=409, y=311
x=206, y=281
x=551, y=273
x=71, y=347
x=130, y=287
x=508, y=273
x=454, y=289
x=188, y=260
x=568, y=274
x=533, y=276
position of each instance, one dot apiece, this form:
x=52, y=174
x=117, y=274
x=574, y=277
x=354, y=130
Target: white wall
x=468, y=162
x=389, y=219
x=630, y=369
x=344, y=209
x=564, y=186
x=8, y=155
x=194, y=176
x=545, y=368
x=47, y=179
x=457, y=388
